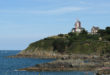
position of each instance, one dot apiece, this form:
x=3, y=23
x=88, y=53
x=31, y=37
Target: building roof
x=95, y=27
x=77, y=21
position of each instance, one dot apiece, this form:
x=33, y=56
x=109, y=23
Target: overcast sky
x=25, y=21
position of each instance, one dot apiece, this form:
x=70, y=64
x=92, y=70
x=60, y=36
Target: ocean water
x=8, y=66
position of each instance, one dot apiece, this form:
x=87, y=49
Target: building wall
x=94, y=30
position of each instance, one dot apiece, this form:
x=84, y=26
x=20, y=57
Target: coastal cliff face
x=40, y=54
x=63, y=46
x=41, y=49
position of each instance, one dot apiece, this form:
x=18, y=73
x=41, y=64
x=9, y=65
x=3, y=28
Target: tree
x=71, y=34
x=61, y=35
x=102, y=32
x=84, y=32
x=108, y=30
x=60, y=45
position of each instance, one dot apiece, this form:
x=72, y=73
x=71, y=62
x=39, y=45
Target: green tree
x=84, y=32
x=108, y=30
x=61, y=35
x=72, y=34
x=102, y=32
x=60, y=45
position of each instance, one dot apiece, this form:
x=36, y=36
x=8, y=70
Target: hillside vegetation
x=72, y=43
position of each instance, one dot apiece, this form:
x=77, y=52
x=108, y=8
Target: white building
x=94, y=30
x=78, y=27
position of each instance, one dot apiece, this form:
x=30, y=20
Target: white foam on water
x=19, y=70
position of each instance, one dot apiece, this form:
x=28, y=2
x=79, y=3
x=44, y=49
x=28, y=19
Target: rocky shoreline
x=70, y=64
x=39, y=54
x=49, y=56
x=57, y=69
x=75, y=62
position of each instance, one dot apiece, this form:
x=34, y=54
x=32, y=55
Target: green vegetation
x=105, y=34
x=71, y=43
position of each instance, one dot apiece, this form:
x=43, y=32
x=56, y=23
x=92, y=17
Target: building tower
x=77, y=24
x=78, y=27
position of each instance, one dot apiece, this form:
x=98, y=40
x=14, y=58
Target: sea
x=9, y=66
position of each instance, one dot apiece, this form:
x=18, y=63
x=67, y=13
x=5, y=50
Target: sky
x=25, y=21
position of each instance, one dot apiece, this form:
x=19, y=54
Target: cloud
x=64, y=10
x=61, y=10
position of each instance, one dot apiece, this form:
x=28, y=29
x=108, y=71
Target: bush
x=60, y=45
x=61, y=35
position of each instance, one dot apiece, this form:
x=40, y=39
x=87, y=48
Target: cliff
x=65, y=45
